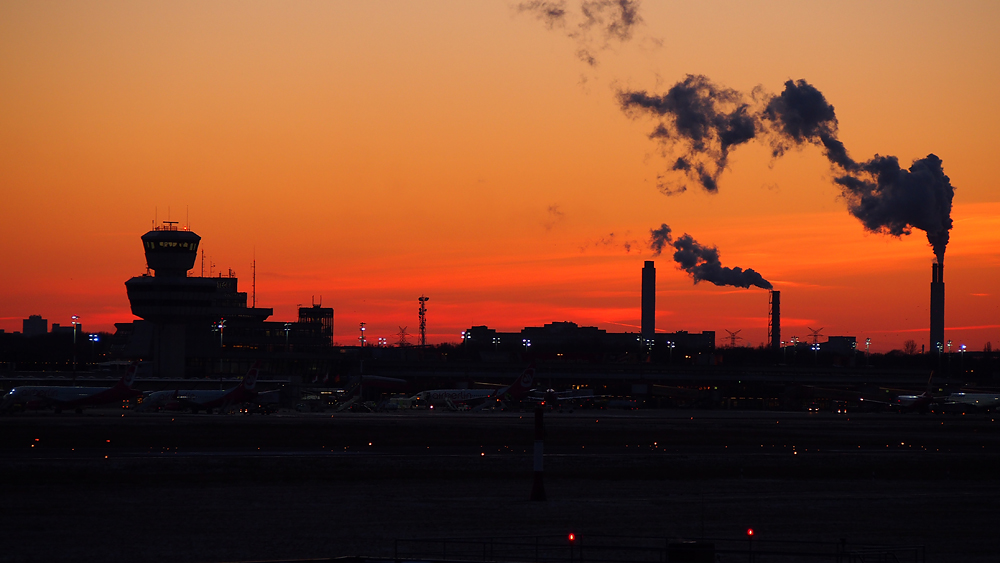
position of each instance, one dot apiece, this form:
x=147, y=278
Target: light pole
x=362, y=335
x=784, y=353
x=76, y=323
x=221, y=326
x=93, y=337
x=815, y=349
x=671, y=345
x=527, y=343
x=496, y=343
x=868, y=354
x=288, y=328
x=961, y=351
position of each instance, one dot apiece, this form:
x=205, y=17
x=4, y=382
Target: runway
x=189, y=487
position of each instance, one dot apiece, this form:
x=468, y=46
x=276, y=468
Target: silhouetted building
x=320, y=315
x=58, y=329
x=34, y=325
x=197, y=326
x=649, y=300
x=569, y=336
x=180, y=311
x=692, y=341
x=843, y=345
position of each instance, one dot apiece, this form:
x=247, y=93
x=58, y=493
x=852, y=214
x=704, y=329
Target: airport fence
x=572, y=548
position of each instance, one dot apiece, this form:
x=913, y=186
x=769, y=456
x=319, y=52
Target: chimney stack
x=648, y=300
x=937, y=306
x=774, y=324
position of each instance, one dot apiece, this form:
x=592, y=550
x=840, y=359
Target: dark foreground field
x=197, y=488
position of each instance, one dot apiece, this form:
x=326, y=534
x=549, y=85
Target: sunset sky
x=371, y=152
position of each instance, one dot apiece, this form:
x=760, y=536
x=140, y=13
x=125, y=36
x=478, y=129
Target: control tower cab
x=170, y=253
x=179, y=312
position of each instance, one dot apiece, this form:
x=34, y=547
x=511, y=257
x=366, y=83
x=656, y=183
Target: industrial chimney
x=937, y=306
x=774, y=323
x=648, y=300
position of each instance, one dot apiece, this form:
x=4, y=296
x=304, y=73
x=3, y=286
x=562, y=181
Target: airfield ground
x=162, y=487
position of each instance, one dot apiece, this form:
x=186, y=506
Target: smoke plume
x=889, y=199
x=702, y=262
x=705, y=122
x=593, y=25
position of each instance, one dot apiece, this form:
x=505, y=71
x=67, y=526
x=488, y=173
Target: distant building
x=840, y=344
x=568, y=335
x=319, y=315
x=58, y=329
x=699, y=342
x=34, y=325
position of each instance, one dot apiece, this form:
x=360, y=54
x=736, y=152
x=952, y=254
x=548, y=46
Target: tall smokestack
x=649, y=300
x=774, y=324
x=937, y=305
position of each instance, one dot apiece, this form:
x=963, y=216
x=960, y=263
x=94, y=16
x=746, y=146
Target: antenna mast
x=423, y=320
x=253, y=283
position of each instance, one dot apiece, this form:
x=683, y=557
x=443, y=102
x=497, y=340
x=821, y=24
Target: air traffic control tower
x=180, y=311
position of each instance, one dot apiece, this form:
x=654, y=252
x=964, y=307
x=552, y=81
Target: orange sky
x=371, y=152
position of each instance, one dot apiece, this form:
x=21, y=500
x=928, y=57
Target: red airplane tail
x=129, y=378
x=250, y=379
x=522, y=385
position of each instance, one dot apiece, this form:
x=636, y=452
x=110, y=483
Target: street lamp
x=868, y=345
x=288, y=328
x=76, y=323
x=671, y=344
x=526, y=342
x=362, y=335
x=221, y=326
x=496, y=343
x=815, y=349
x=93, y=337
x=784, y=352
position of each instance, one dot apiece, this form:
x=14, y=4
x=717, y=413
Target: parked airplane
x=197, y=399
x=52, y=396
x=452, y=398
x=985, y=402
x=570, y=399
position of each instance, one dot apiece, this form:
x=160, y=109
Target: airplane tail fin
x=522, y=385
x=250, y=379
x=129, y=378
